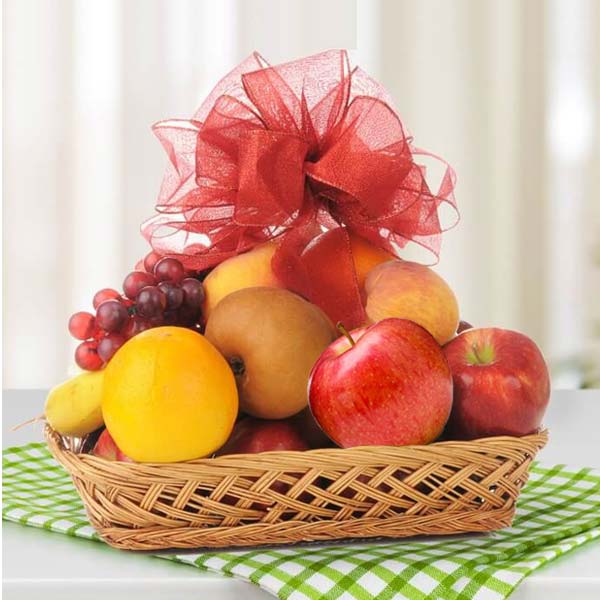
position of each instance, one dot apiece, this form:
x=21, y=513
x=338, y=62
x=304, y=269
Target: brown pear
x=271, y=338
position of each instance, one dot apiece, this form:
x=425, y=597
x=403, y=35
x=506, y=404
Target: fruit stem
x=346, y=333
x=482, y=354
x=29, y=422
x=237, y=366
x=476, y=353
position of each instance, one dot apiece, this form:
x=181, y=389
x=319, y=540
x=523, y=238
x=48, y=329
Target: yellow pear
x=75, y=406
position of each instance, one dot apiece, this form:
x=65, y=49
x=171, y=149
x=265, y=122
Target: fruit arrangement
x=274, y=314
x=241, y=348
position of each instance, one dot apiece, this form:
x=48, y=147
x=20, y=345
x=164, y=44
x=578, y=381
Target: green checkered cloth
x=559, y=510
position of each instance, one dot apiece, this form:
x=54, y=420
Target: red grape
x=139, y=266
x=150, y=302
x=173, y=293
x=111, y=315
x=194, y=292
x=126, y=302
x=105, y=294
x=98, y=333
x=82, y=325
x=150, y=260
x=188, y=315
x=463, y=326
x=135, y=281
x=109, y=344
x=201, y=275
x=136, y=325
x=171, y=317
x=169, y=269
x=86, y=356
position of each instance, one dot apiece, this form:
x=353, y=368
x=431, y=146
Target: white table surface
x=42, y=564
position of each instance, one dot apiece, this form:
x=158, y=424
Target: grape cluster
x=159, y=292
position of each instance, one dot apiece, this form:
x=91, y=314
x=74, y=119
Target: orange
x=169, y=396
x=366, y=256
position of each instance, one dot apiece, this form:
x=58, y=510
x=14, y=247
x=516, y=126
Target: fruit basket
x=273, y=318
x=287, y=497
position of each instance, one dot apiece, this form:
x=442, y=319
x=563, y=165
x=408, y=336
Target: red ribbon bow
x=304, y=153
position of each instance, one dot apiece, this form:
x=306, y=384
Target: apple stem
x=346, y=333
x=476, y=353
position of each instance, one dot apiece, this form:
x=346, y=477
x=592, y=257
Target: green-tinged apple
x=501, y=384
x=106, y=448
x=387, y=384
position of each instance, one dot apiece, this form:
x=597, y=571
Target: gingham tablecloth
x=559, y=510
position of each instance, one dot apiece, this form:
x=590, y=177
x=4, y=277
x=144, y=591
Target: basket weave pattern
x=288, y=497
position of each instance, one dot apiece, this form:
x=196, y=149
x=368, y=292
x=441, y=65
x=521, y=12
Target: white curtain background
x=507, y=91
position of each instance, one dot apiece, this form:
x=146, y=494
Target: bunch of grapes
x=159, y=292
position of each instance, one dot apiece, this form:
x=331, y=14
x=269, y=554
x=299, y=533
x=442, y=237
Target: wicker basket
x=288, y=497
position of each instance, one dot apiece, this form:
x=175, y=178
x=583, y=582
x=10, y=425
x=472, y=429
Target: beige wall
x=481, y=83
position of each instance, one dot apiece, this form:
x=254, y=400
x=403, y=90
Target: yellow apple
x=412, y=291
x=251, y=269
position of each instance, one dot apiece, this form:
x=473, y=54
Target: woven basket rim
x=235, y=501
x=361, y=455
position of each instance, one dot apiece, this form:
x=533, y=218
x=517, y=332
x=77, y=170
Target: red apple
x=387, y=384
x=501, y=384
x=310, y=430
x=106, y=448
x=251, y=436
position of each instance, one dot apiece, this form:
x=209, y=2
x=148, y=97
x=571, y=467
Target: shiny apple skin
x=392, y=388
x=106, y=448
x=508, y=396
x=251, y=436
x=310, y=430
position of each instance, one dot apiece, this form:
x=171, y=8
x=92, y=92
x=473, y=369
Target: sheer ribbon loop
x=307, y=153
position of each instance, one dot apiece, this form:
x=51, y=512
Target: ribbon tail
x=319, y=266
